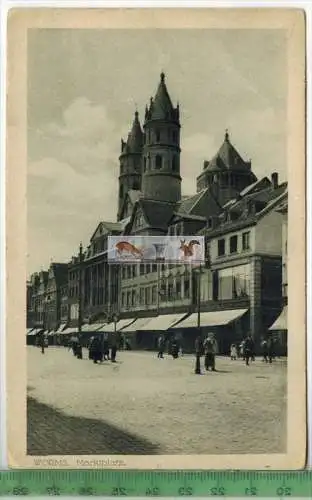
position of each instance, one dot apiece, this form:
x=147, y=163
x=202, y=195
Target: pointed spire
x=227, y=136
x=135, y=137
x=161, y=107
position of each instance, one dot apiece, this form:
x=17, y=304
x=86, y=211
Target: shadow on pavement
x=50, y=432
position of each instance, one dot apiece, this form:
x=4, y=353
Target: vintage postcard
x=156, y=238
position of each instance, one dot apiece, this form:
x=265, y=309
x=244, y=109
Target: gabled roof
x=133, y=196
x=106, y=227
x=157, y=214
x=266, y=200
x=256, y=186
x=188, y=203
x=161, y=107
x=203, y=204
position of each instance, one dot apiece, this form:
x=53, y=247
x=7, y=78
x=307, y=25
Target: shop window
x=221, y=247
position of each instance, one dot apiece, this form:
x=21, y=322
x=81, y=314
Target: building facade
x=234, y=210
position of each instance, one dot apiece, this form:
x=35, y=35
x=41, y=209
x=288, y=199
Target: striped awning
x=110, y=327
x=213, y=318
x=138, y=324
x=281, y=322
x=69, y=330
x=162, y=322
x=60, y=328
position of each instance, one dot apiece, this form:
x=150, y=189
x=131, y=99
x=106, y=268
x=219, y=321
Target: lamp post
x=198, y=340
x=80, y=292
x=159, y=247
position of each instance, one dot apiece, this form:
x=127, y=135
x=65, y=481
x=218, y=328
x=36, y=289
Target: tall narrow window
x=233, y=244
x=158, y=161
x=174, y=164
x=221, y=247
x=121, y=191
x=175, y=136
x=157, y=135
x=144, y=166
x=246, y=240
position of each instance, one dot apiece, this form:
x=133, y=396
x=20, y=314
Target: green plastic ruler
x=156, y=483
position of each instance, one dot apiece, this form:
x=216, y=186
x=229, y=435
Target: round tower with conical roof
x=161, y=153
x=130, y=159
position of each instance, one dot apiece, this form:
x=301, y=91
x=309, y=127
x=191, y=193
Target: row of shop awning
x=165, y=322
x=281, y=322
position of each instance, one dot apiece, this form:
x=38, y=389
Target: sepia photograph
x=157, y=281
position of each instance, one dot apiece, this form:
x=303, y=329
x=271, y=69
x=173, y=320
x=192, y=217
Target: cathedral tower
x=130, y=176
x=161, y=153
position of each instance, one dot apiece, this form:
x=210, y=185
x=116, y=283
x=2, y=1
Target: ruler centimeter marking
x=157, y=483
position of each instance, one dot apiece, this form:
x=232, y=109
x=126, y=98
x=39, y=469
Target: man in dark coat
x=248, y=349
x=198, y=354
x=161, y=346
x=113, y=348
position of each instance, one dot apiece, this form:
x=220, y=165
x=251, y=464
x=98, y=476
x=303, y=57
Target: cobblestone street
x=146, y=405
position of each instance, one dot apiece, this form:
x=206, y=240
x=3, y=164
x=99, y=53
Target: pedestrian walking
x=233, y=352
x=210, y=349
x=41, y=344
x=113, y=348
x=198, y=354
x=161, y=346
x=265, y=350
x=248, y=349
x=105, y=348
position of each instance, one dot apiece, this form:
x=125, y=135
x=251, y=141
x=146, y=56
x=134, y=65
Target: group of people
x=174, y=346
x=246, y=350
x=100, y=348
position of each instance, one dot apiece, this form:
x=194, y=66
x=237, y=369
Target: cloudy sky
x=83, y=88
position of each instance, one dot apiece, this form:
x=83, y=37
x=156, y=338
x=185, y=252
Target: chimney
x=274, y=180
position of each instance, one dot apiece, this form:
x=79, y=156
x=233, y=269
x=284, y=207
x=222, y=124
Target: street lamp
x=80, y=292
x=159, y=247
x=197, y=366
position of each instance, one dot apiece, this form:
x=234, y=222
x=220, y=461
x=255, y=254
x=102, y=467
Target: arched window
x=157, y=135
x=121, y=191
x=158, y=161
x=174, y=164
